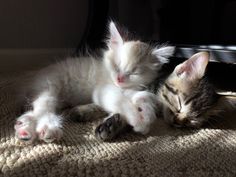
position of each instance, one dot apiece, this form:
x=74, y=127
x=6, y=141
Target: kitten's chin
x=122, y=85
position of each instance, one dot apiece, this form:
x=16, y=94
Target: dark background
x=190, y=25
x=202, y=22
x=34, y=34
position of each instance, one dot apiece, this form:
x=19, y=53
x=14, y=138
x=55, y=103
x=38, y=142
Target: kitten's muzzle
x=187, y=122
x=177, y=122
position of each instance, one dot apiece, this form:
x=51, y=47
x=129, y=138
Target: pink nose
x=120, y=78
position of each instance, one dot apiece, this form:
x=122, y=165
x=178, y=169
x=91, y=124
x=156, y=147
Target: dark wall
x=179, y=22
x=199, y=22
x=42, y=24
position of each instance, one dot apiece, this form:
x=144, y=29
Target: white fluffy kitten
x=125, y=67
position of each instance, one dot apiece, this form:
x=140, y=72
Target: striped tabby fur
x=187, y=98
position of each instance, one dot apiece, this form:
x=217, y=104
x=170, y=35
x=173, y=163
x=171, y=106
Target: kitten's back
x=72, y=79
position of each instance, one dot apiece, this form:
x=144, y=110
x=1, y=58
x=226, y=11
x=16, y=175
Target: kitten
x=124, y=65
x=188, y=99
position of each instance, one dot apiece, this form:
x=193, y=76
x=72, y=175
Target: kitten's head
x=132, y=63
x=188, y=98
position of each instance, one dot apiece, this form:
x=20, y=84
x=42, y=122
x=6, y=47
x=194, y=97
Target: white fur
x=127, y=103
x=163, y=53
x=73, y=81
x=148, y=103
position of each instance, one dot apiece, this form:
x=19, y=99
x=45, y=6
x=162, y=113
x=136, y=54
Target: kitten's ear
x=115, y=40
x=194, y=67
x=163, y=53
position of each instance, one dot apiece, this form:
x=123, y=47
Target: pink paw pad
x=24, y=135
x=49, y=135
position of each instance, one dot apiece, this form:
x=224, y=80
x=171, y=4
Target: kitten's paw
x=109, y=128
x=49, y=135
x=49, y=128
x=145, y=103
x=25, y=128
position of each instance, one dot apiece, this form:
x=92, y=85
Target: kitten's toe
x=109, y=128
x=49, y=135
x=26, y=133
x=49, y=128
x=25, y=128
x=23, y=135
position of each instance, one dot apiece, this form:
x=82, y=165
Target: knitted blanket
x=165, y=151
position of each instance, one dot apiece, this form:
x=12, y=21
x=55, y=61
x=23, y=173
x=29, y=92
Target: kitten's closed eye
x=128, y=73
x=136, y=71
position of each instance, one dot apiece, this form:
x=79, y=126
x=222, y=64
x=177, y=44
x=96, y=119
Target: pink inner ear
x=198, y=64
x=201, y=62
x=189, y=67
x=195, y=66
x=114, y=42
x=115, y=37
x=180, y=69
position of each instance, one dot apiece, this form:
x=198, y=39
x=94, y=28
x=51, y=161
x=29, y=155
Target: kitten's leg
x=146, y=103
x=41, y=121
x=49, y=125
x=108, y=129
x=84, y=112
x=114, y=100
x=140, y=114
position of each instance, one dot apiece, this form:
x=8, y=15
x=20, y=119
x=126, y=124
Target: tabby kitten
x=186, y=96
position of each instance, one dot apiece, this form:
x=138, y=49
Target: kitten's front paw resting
x=109, y=128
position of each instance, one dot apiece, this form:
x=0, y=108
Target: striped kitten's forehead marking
x=178, y=83
x=171, y=89
x=170, y=95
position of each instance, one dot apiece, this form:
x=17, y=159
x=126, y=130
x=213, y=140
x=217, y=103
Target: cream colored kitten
x=124, y=65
